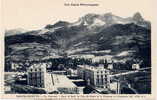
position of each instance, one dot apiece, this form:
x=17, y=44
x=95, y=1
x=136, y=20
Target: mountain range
x=93, y=34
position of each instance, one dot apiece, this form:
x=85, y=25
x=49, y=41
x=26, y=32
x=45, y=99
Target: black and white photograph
x=79, y=48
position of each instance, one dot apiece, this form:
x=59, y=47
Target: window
x=97, y=82
x=35, y=75
x=40, y=79
x=30, y=74
x=106, y=86
x=102, y=81
x=40, y=74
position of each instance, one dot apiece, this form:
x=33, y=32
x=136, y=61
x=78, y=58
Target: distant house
x=16, y=65
x=71, y=72
x=135, y=66
x=110, y=66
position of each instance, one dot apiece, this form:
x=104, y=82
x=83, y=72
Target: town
x=69, y=75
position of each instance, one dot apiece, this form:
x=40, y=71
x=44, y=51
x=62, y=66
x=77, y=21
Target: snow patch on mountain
x=97, y=22
x=78, y=44
x=124, y=53
x=43, y=31
x=102, y=51
x=85, y=56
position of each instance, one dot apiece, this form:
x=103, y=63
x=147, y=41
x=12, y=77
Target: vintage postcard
x=78, y=49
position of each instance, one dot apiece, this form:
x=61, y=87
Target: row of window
x=101, y=76
x=35, y=74
x=35, y=69
x=36, y=82
x=101, y=82
x=103, y=71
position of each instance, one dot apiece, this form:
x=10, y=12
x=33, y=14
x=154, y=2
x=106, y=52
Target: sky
x=35, y=14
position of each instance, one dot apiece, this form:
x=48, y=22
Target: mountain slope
x=14, y=31
x=99, y=35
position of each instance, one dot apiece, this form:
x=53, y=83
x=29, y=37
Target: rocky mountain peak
x=57, y=24
x=61, y=23
x=138, y=17
x=89, y=18
x=89, y=15
x=108, y=14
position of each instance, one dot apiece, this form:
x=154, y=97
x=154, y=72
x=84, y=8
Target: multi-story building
x=36, y=75
x=94, y=76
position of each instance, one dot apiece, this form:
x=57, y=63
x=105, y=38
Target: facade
x=94, y=76
x=81, y=71
x=36, y=75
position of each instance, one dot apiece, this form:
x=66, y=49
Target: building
x=97, y=77
x=115, y=86
x=36, y=75
x=135, y=66
x=110, y=66
x=19, y=65
x=81, y=71
x=50, y=82
x=98, y=59
x=71, y=72
x=15, y=66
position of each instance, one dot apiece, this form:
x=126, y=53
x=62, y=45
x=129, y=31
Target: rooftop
x=41, y=65
x=37, y=67
x=62, y=81
x=54, y=81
